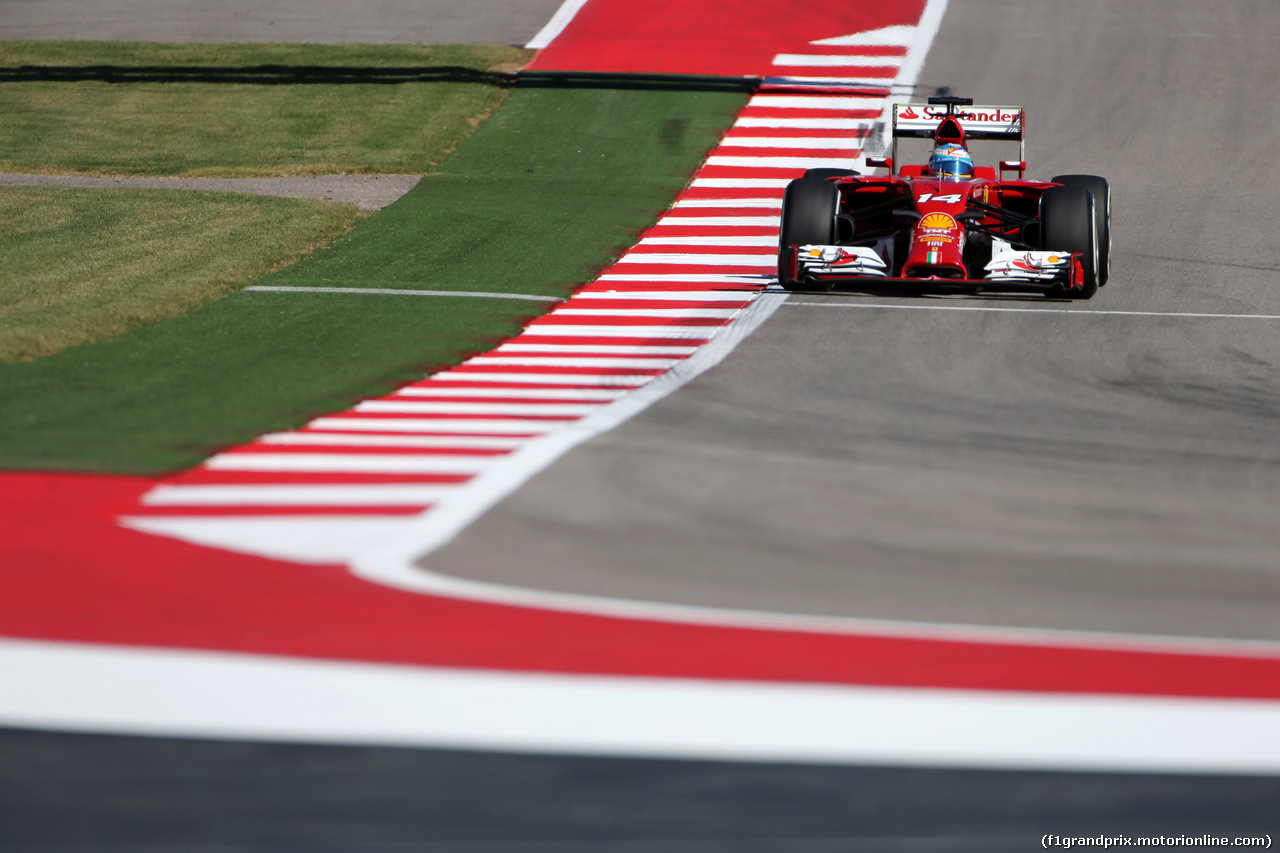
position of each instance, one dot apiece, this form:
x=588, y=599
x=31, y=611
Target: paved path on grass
x=368, y=192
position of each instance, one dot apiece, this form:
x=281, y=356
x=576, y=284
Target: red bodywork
x=934, y=247
x=929, y=228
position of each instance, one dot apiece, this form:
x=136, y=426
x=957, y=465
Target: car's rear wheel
x=809, y=209
x=824, y=172
x=1101, y=214
x=1068, y=224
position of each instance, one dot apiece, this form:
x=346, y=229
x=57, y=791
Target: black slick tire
x=1068, y=224
x=1101, y=213
x=809, y=209
x=825, y=172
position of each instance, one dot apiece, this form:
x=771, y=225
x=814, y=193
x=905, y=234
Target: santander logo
x=908, y=113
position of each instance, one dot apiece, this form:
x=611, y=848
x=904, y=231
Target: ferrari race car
x=950, y=224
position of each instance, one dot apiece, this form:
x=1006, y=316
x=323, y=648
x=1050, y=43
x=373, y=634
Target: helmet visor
x=951, y=166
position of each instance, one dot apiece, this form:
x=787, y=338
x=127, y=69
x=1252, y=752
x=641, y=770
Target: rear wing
x=922, y=121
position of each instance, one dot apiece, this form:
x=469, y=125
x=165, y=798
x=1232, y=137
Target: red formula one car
x=948, y=224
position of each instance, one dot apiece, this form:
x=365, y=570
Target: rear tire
x=1068, y=223
x=825, y=172
x=1101, y=213
x=809, y=209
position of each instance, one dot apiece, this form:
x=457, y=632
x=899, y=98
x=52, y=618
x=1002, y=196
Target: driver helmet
x=951, y=161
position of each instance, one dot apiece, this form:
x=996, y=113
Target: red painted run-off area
x=69, y=572
x=727, y=37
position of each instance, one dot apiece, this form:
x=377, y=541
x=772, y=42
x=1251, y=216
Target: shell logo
x=937, y=220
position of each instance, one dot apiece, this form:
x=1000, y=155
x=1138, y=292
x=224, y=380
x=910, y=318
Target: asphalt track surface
x=1107, y=465
x=1100, y=472
x=326, y=21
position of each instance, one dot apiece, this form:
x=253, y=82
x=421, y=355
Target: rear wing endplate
x=920, y=121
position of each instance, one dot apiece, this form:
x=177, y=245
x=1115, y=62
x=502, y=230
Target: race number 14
x=949, y=198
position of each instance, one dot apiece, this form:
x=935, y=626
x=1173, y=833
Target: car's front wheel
x=1068, y=224
x=1101, y=216
x=809, y=209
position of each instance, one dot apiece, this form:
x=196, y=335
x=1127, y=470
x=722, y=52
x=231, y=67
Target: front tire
x=1101, y=213
x=809, y=209
x=1068, y=223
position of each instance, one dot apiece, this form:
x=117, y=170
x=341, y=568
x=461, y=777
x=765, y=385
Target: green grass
x=82, y=264
x=545, y=194
x=123, y=108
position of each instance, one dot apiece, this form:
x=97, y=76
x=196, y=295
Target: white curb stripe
x=434, y=390
x=675, y=313
x=438, y=442
x=576, y=361
x=847, y=60
x=603, y=379
x=275, y=495
x=350, y=463
x=796, y=163
x=687, y=332
x=799, y=144
x=842, y=124
x=604, y=349
x=398, y=405
x=757, y=260
x=462, y=426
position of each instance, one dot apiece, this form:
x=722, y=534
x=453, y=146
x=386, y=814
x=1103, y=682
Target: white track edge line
x=184, y=693
x=561, y=19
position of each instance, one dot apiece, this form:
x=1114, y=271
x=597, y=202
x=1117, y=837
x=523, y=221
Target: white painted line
x=729, y=202
x=561, y=19
x=693, y=260
x=575, y=361
x=747, y=280
x=602, y=349
x=797, y=143
x=432, y=407
x=919, y=43
x=395, y=494
x=845, y=124
x=846, y=103
x=671, y=295
x=602, y=394
x=584, y=331
x=444, y=426
x=848, y=60
x=320, y=539
x=436, y=442
x=675, y=313
x=779, y=162
x=198, y=694
x=750, y=240
x=603, y=379
x=740, y=183
x=720, y=221
x=867, y=79
x=382, y=291
x=1056, y=311
x=350, y=463
x=902, y=35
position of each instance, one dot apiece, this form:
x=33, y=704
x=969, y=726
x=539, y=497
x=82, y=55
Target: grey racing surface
x=1106, y=465
x=325, y=21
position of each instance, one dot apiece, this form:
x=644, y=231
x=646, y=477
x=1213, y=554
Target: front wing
x=1008, y=269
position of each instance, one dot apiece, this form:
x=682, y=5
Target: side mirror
x=880, y=163
x=1018, y=166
